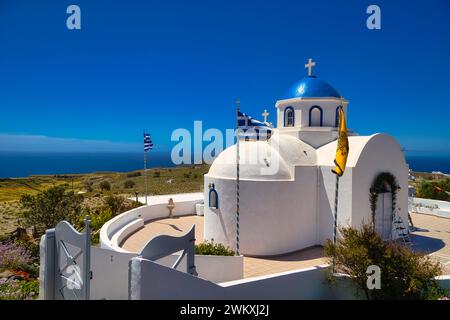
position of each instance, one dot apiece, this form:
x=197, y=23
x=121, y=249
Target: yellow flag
x=342, y=146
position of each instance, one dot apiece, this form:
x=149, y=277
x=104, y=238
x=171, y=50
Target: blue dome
x=311, y=87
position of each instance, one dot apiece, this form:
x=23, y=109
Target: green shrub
x=115, y=203
x=105, y=185
x=134, y=174
x=19, y=289
x=128, y=184
x=405, y=274
x=95, y=237
x=213, y=249
x=100, y=217
x=88, y=185
x=30, y=288
x=436, y=190
x=32, y=247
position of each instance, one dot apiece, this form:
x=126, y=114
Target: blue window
x=289, y=117
x=336, y=121
x=213, y=197
x=315, y=116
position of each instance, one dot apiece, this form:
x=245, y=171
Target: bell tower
x=309, y=109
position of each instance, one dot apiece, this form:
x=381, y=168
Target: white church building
x=286, y=187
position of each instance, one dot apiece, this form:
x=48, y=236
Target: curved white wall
x=272, y=221
x=213, y=268
x=121, y=226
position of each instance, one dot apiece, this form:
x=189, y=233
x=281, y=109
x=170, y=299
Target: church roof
x=311, y=87
x=282, y=155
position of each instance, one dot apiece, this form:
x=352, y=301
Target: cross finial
x=309, y=66
x=238, y=103
x=265, y=114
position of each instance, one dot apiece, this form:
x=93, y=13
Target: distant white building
x=287, y=195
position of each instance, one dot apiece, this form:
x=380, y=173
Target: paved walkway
x=310, y=257
x=177, y=226
x=252, y=266
x=432, y=237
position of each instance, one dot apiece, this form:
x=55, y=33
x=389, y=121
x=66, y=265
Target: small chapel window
x=289, y=117
x=336, y=118
x=213, y=197
x=315, y=116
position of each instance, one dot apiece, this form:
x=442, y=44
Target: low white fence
x=309, y=284
x=118, y=228
x=109, y=274
x=110, y=271
x=212, y=268
x=429, y=206
x=166, y=283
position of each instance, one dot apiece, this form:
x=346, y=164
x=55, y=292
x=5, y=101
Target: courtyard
x=432, y=236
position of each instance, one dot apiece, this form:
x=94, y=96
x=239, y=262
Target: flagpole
x=145, y=170
x=237, y=175
x=336, y=198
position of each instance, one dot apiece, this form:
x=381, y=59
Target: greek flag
x=148, y=144
x=251, y=129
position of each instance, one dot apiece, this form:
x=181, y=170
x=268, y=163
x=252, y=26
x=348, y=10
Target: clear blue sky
x=160, y=65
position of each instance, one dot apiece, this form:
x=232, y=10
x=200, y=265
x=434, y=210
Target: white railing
x=428, y=206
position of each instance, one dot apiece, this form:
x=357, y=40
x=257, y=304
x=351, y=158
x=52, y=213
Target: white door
x=383, y=215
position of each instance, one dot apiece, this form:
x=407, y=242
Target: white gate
x=67, y=273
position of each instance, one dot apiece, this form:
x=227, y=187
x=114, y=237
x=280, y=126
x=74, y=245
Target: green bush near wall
x=209, y=248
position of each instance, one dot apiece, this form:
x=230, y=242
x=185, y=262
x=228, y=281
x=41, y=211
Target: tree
x=404, y=274
x=44, y=210
x=105, y=185
x=128, y=184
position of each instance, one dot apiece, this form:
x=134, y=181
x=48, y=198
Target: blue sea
x=23, y=164
x=428, y=162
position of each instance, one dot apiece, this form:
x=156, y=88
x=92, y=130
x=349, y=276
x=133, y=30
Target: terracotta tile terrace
x=432, y=236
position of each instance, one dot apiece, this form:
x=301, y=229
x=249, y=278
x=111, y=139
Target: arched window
x=213, y=197
x=315, y=116
x=336, y=120
x=289, y=117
